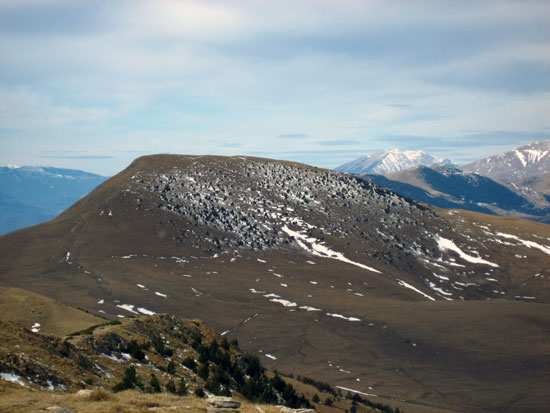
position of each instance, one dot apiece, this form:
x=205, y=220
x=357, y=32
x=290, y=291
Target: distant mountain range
x=515, y=183
x=392, y=160
x=525, y=161
x=30, y=195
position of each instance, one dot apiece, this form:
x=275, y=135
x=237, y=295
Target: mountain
x=391, y=160
x=15, y=214
x=536, y=188
x=447, y=187
x=318, y=273
x=510, y=166
x=33, y=194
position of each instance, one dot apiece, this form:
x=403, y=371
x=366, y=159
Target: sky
x=92, y=85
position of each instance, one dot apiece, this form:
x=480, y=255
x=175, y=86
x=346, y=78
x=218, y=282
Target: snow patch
x=127, y=307
x=12, y=378
x=343, y=317
x=308, y=308
x=407, y=285
x=528, y=244
x=320, y=250
x=356, y=391
x=145, y=311
x=286, y=303
x=446, y=244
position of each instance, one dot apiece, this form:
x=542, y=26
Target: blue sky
x=94, y=84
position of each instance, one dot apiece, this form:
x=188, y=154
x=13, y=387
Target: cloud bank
x=327, y=79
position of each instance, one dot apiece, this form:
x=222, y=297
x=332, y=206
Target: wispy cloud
x=182, y=76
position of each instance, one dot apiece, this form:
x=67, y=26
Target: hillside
x=177, y=361
x=447, y=187
x=318, y=273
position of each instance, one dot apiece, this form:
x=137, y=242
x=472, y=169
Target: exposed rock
x=289, y=410
x=219, y=404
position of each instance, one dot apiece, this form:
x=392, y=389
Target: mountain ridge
x=447, y=187
x=522, y=162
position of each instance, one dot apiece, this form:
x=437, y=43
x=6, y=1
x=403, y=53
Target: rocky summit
x=318, y=273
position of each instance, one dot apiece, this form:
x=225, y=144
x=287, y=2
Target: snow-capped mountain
x=40, y=193
x=391, y=160
x=509, y=166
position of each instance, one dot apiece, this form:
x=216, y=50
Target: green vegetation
x=171, y=367
x=160, y=347
x=135, y=349
x=182, y=388
x=129, y=381
x=154, y=383
x=190, y=363
x=378, y=406
x=171, y=386
x=319, y=385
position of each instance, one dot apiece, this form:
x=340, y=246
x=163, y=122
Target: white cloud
x=190, y=76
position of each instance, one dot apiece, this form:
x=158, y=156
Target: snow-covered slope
x=522, y=162
x=391, y=160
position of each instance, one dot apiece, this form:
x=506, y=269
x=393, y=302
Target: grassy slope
x=461, y=347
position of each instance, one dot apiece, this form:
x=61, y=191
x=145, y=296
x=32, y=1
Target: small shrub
x=171, y=387
x=135, y=349
x=225, y=344
x=189, y=362
x=65, y=349
x=83, y=362
x=203, y=371
x=199, y=392
x=182, y=388
x=160, y=347
x=154, y=383
x=129, y=381
x=171, y=367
